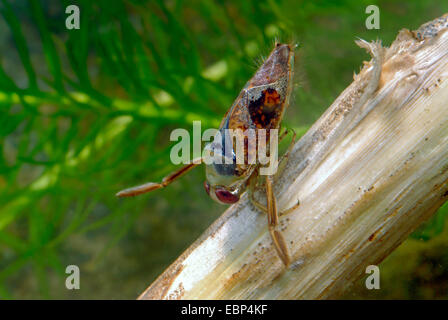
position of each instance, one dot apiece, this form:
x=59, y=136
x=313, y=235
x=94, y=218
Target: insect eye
x=226, y=196
x=207, y=187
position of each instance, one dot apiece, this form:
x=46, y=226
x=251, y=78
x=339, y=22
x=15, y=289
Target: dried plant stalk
x=368, y=172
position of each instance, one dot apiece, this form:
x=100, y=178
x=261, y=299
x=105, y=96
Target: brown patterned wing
x=262, y=102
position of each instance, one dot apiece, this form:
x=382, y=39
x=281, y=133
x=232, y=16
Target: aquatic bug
x=259, y=106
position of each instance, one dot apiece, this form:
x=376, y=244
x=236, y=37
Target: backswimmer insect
x=260, y=105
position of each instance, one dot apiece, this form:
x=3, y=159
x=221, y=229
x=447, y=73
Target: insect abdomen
x=262, y=102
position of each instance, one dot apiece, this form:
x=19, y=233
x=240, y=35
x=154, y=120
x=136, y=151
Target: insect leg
x=261, y=207
x=252, y=186
x=281, y=167
x=284, y=158
x=277, y=237
x=283, y=135
x=151, y=186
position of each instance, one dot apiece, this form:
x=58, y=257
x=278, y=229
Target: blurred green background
x=85, y=113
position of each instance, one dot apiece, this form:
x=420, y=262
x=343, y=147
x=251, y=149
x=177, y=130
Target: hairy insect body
x=233, y=161
x=259, y=107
